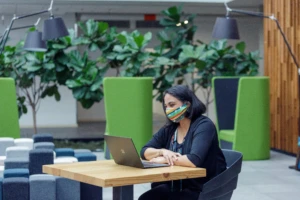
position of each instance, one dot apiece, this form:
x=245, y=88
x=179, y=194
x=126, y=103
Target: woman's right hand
x=170, y=156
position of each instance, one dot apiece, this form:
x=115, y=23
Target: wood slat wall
x=279, y=66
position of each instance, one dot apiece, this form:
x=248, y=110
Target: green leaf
x=31, y=57
x=122, y=38
x=118, y=48
x=96, y=85
x=92, y=27
x=139, y=40
x=93, y=47
x=32, y=68
x=200, y=65
x=171, y=75
x=163, y=36
x=241, y=46
x=59, y=46
x=73, y=83
x=79, y=93
x=49, y=66
x=102, y=27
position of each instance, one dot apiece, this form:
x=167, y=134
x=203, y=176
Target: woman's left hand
x=160, y=159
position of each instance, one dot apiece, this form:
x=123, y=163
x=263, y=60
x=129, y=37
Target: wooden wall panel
x=283, y=73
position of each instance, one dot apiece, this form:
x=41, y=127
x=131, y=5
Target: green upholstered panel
x=9, y=118
x=128, y=108
x=252, y=121
x=227, y=135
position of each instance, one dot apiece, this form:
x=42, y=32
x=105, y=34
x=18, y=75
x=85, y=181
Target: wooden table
x=122, y=178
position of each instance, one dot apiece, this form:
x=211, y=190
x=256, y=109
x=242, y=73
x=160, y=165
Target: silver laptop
x=124, y=152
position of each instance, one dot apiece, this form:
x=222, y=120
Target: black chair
x=221, y=187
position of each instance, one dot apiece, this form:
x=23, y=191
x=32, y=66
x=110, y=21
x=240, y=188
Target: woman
x=188, y=139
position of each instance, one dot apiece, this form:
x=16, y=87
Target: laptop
x=124, y=152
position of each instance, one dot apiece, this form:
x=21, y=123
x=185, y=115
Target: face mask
x=177, y=114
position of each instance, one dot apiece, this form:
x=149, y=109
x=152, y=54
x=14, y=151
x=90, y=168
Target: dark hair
x=184, y=94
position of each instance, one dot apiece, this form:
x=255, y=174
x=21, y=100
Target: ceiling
x=121, y=6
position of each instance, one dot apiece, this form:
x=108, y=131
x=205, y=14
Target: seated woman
x=188, y=139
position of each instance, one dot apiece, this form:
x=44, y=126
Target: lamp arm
x=287, y=44
x=5, y=36
x=258, y=14
x=254, y=14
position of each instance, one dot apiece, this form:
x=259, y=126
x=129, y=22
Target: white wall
x=51, y=113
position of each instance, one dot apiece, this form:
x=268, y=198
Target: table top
x=106, y=173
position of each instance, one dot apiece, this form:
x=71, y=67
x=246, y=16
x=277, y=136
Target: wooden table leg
x=123, y=193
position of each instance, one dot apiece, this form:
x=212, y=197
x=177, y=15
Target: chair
x=128, y=108
x=9, y=116
x=243, y=115
x=222, y=186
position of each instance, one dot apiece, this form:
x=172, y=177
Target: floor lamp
x=226, y=28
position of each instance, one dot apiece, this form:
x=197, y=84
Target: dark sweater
x=201, y=147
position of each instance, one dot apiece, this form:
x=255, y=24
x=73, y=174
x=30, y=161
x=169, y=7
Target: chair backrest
x=221, y=187
x=9, y=117
x=252, y=120
x=128, y=108
x=225, y=91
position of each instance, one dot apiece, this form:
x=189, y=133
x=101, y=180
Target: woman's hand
x=159, y=159
x=170, y=156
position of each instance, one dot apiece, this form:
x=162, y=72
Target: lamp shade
x=226, y=28
x=34, y=42
x=54, y=28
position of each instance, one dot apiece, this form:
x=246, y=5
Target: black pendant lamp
x=226, y=28
x=34, y=42
x=54, y=28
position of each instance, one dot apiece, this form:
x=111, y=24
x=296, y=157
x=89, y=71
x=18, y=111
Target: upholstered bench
x=4, y=143
x=67, y=189
x=11, y=173
x=38, y=158
x=24, y=142
x=42, y=186
x=83, y=157
x=15, y=189
x=42, y=137
x=44, y=145
x=65, y=159
x=64, y=152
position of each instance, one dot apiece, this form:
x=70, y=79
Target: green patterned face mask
x=177, y=114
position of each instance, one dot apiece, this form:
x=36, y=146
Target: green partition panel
x=128, y=108
x=9, y=117
x=252, y=122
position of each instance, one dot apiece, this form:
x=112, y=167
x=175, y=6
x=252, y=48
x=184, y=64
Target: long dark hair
x=184, y=94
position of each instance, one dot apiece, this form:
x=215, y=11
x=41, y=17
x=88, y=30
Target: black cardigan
x=201, y=147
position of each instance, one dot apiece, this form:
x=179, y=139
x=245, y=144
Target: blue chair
x=15, y=189
x=222, y=186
